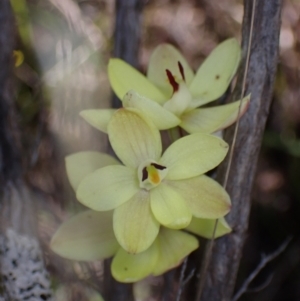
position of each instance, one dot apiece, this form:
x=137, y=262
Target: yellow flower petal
x=108, y=187
x=209, y=120
x=124, y=77
x=133, y=139
x=205, y=227
x=174, y=246
x=205, y=197
x=86, y=236
x=162, y=118
x=134, y=224
x=180, y=100
x=79, y=165
x=128, y=268
x=98, y=118
x=215, y=74
x=193, y=155
x=164, y=57
x=169, y=207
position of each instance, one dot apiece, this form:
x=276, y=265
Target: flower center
x=181, y=97
x=172, y=79
x=181, y=70
x=150, y=174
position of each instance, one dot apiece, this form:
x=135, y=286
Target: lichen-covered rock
x=22, y=268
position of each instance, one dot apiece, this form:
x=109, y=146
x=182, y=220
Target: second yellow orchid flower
x=171, y=94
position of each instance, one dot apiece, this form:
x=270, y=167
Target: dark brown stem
x=127, y=34
x=9, y=142
x=126, y=46
x=221, y=276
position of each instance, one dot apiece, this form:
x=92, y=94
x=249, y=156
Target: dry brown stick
x=231, y=153
x=184, y=280
x=181, y=279
x=127, y=33
x=126, y=46
x=221, y=275
x=265, y=259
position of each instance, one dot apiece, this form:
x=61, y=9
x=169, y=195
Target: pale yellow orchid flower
x=172, y=93
x=183, y=91
x=154, y=189
x=89, y=235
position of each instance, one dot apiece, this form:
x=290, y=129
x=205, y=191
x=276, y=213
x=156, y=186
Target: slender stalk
x=231, y=152
x=127, y=34
x=126, y=46
x=265, y=259
x=221, y=275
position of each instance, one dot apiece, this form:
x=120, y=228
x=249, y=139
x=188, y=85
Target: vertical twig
x=221, y=275
x=9, y=157
x=181, y=279
x=265, y=259
x=231, y=153
x=127, y=34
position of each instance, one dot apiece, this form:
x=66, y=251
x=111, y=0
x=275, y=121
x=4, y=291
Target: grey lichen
x=22, y=267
